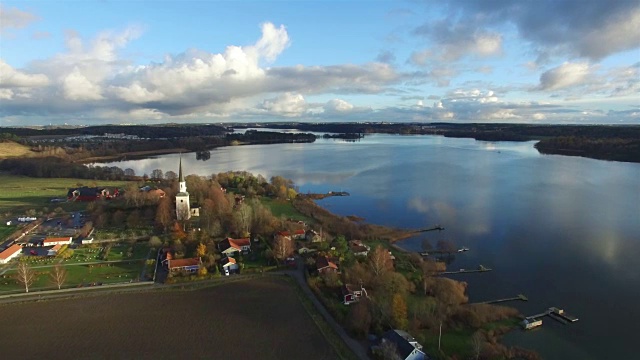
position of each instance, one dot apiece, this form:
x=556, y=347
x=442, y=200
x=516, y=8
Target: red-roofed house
x=229, y=265
x=324, y=265
x=56, y=241
x=230, y=246
x=352, y=294
x=190, y=265
x=54, y=250
x=10, y=253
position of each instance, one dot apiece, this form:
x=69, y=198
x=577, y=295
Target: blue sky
x=545, y=61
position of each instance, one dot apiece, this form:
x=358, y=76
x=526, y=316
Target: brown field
x=255, y=319
x=12, y=149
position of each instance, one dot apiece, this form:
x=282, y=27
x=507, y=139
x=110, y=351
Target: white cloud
x=76, y=86
x=14, y=18
x=337, y=106
x=287, y=104
x=565, y=75
x=10, y=77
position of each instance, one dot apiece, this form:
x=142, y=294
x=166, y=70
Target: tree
x=359, y=318
x=201, y=250
x=129, y=172
x=282, y=247
x=26, y=275
x=155, y=242
x=380, y=261
x=476, y=343
x=170, y=175
x=399, y=312
x=133, y=220
x=164, y=213
x=387, y=351
x=58, y=275
x=157, y=174
x=446, y=246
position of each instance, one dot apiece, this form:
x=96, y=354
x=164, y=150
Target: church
x=183, y=206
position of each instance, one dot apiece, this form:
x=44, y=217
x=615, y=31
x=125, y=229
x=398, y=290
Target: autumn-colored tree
x=202, y=271
x=430, y=268
x=177, y=232
x=25, y=275
x=58, y=275
x=86, y=229
x=201, y=250
x=399, y=312
x=380, y=261
x=360, y=318
x=282, y=247
x=164, y=213
x=119, y=217
x=133, y=220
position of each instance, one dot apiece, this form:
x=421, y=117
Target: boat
x=463, y=249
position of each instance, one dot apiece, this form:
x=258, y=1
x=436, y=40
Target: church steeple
x=183, y=208
x=180, y=177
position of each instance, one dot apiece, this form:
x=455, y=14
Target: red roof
x=178, y=263
x=239, y=243
x=228, y=260
x=60, y=239
x=322, y=262
x=56, y=248
x=10, y=251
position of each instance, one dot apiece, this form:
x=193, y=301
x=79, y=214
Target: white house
x=56, y=241
x=408, y=348
x=10, y=253
x=229, y=265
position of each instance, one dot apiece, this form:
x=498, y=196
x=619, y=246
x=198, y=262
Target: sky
x=461, y=61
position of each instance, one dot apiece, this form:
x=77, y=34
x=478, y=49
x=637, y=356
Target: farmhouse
x=295, y=235
x=190, y=265
x=407, y=347
x=10, y=253
x=313, y=236
x=56, y=241
x=324, y=265
x=231, y=246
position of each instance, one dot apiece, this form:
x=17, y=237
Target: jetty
x=519, y=297
x=553, y=312
x=480, y=268
x=433, y=228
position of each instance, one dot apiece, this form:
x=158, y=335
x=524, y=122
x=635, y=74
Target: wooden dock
x=520, y=297
x=480, y=268
x=434, y=228
x=556, y=314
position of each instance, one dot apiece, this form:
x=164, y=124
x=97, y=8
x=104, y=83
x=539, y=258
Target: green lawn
x=6, y=230
x=77, y=274
x=21, y=192
x=283, y=208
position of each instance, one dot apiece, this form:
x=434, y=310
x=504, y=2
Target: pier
x=553, y=312
x=480, y=268
x=519, y=297
x=434, y=228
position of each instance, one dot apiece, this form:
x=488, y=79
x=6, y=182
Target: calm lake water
x=565, y=231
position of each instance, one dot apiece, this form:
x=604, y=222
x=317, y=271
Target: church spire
x=180, y=177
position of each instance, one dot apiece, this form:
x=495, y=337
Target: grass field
x=6, y=230
x=255, y=319
x=281, y=208
x=11, y=149
x=25, y=192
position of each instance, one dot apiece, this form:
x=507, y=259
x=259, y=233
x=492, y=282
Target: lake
x=564, y=231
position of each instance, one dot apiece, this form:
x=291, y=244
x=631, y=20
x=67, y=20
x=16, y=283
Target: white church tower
x=183, y=208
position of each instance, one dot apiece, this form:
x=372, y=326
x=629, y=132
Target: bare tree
x=164, y=213
x=388, y=351
x=282, y=247
x=380, y=261
x=476, y=343
x=58, y=275
x=26, y=275
x=157, y=174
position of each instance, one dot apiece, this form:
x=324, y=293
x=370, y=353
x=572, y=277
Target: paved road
x=298, y=274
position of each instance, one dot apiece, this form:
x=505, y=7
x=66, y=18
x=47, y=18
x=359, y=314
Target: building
x=324, y=265
x=10, y=253
x=351, y=293
x=183, y=208
x=229, y=266
x=54, y=250
x=191, y=265
x=56, y=241
x=230, y=246
x=407, y=347
x=358, y=248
